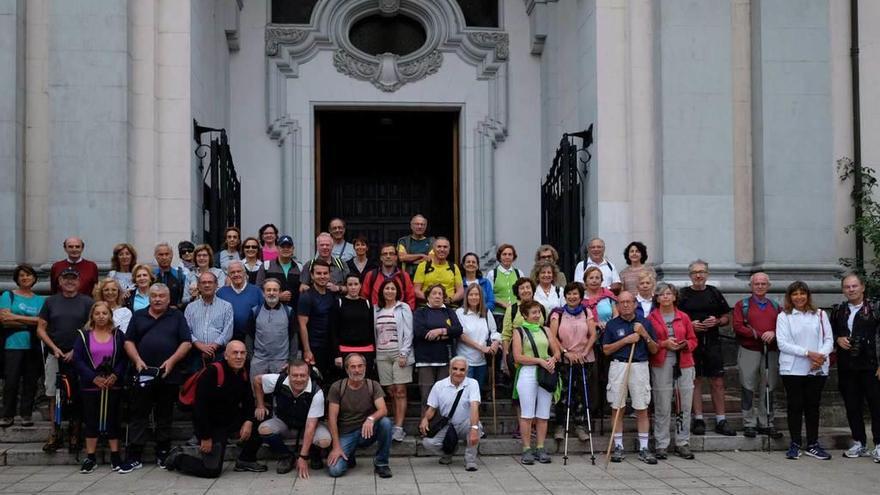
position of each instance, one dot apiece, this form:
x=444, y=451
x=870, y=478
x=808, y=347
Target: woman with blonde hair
x=479, y=334
x=550, y=295
x=109, y=291
x=143, y=279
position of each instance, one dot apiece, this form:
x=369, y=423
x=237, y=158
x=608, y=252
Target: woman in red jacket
x=672, y=370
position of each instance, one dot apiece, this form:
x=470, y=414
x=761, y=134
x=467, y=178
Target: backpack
x=187, y=394
x=429, y=266
x=256, y=310
x=745, y=307
x=516, y=272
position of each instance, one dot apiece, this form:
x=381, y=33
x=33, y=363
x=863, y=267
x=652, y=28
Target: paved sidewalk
x=711, y=473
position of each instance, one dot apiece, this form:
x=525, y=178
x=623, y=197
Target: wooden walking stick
x=623, y=392
x=494, y=407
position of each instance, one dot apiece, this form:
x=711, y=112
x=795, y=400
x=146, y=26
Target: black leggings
x=803, y=394
x=22, y=369
x=91, y=407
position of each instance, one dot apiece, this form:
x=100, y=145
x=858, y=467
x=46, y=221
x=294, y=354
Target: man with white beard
x=273, y=326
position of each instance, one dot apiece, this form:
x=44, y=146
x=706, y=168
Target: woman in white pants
x=672, y=370
x=534, y=401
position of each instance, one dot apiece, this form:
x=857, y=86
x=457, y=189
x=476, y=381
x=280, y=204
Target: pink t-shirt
x=573, y=333
x=100, y=350
x=270, y=254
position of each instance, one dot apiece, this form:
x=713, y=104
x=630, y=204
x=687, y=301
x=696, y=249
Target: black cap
x=69, y=272
x=285, y=239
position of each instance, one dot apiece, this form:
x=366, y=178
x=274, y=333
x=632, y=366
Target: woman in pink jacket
x=672, y=370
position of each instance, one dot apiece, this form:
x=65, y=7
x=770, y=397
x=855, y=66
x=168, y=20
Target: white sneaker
x=875, y=454
x=397, y=434
x=856, y=450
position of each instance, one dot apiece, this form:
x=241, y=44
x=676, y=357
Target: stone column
x=743, y=199
x=12, y=59
x=36, y=224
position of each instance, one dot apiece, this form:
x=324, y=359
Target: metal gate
x=221, y=187
x=562, y=209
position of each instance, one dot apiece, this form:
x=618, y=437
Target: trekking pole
x=567, y=416
x=587, y=408
x=102, y=411
x=767, y=397
x=494, y=402
x=623, y=392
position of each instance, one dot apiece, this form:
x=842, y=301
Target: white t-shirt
x=610, y=275
x=443, y=395
x=552, y=300
x=317, y=408
x=477, y=329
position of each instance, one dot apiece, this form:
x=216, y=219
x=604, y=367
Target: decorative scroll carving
x=282, y=35
x=497, y=39
x=389, y=7
x=387, y=74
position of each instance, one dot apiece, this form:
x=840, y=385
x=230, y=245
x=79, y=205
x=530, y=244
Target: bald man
x=88, y=270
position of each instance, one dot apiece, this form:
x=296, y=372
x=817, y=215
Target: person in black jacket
x=434, y=329
x=855, y=326
x=223, y=408
x=285, y=269
x=353, y=329
x=99, y=360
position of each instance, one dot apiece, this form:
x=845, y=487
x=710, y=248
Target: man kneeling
x=299, y=408
x=357, y=418
x=223, y=408
x=458, y=397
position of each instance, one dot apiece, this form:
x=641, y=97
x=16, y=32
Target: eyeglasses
x=251, y=247
x=699, y=272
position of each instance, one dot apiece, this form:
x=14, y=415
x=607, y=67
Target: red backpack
x=187, y=394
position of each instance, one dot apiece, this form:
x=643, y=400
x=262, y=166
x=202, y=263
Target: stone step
x=30, y=454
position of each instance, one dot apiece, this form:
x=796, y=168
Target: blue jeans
x=352, y=440
x=478, y=373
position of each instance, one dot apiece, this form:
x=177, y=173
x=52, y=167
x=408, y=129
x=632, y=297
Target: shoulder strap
x=429, y=267
x=513, y=309
x=221, y=374
x=279, y=383
x=455, y=402
x=531, y=341
x=745, y=309
x=495, y=274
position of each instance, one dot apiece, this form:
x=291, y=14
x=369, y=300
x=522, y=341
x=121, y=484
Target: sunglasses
x=186, y=251
x=251, y=247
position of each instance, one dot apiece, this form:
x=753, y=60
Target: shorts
x=262, y=367
x=708, y=359
x=390, y=373
x=51, y=369
x=639, y=386
x=275, y=426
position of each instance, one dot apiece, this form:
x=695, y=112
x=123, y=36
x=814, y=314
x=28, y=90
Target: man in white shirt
x=465, y=418
x=596, y=257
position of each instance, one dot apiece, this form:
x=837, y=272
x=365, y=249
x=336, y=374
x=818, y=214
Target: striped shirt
x=210, y=323
x=386, y=331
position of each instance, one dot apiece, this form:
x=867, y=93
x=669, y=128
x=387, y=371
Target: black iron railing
x=221, y=187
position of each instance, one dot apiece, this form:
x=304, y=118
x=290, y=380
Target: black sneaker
x=661, y=454
x=382, y=471
x=127, y=467
x=647, y=457
x=699, y=427
x=816, y=450
x=722, y=428
x=285, y=465
x=88, y=466
x=750, y=432
x=250, y=466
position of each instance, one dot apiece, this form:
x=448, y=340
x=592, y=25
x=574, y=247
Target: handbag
x=546, y=380
x=438, y=422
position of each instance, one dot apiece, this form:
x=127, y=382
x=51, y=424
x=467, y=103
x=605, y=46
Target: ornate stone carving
x=282, y=35
x=497, y=39
x=389, y=7
x=387, y=74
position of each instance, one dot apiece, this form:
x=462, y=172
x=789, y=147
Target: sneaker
x=88, y=466
x=559, y=433
x=856, y=451
x=661, y=454
x=446, y=459
x=27, y=421
x=285, y=465
x=794, y=451
x=542, y=456
x=528, y=457
x=250, y=466
x=618, y=455
x=722, y=428
x=6, y=422
x=581, y=433
x=699, y=427
x=169, y=461
x=382, y=471
x=875, y=454
x=750, y=432
x=684, y=451
x=127, y=467
x=397, y=433
x=470, y=466
x=772, y=432
x=816, y=450
x=647, y=457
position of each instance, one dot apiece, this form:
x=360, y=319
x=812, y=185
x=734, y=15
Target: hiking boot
x=249, y=466
x=647, y=457
x=772, y=432
x=27, y=421
x=618, y=455
x=397, y=433
x=661, y=454
x=684, y=451
x=285, y=465
x=750, y=432
x=470, y=466
x=382, y=471
x=88, y=466
x=528, y=457
x=542, y=456
x=816, y=450
x=559, y=432
x=582, y=433
x=699, y=427
x=856, y=451
x=794, y=451
x=722, y=428
x=445, y=459
x=6, y=422
x=53, y=443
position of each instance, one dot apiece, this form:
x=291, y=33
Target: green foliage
x=868, y=224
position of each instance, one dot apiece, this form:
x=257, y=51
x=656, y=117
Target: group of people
x=321, y=352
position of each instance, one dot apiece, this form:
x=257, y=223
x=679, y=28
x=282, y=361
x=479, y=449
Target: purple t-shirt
x=100, y=350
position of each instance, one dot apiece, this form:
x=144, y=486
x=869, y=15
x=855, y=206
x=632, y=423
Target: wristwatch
x=370, y=418
x=304, y=457
x=475, y=427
